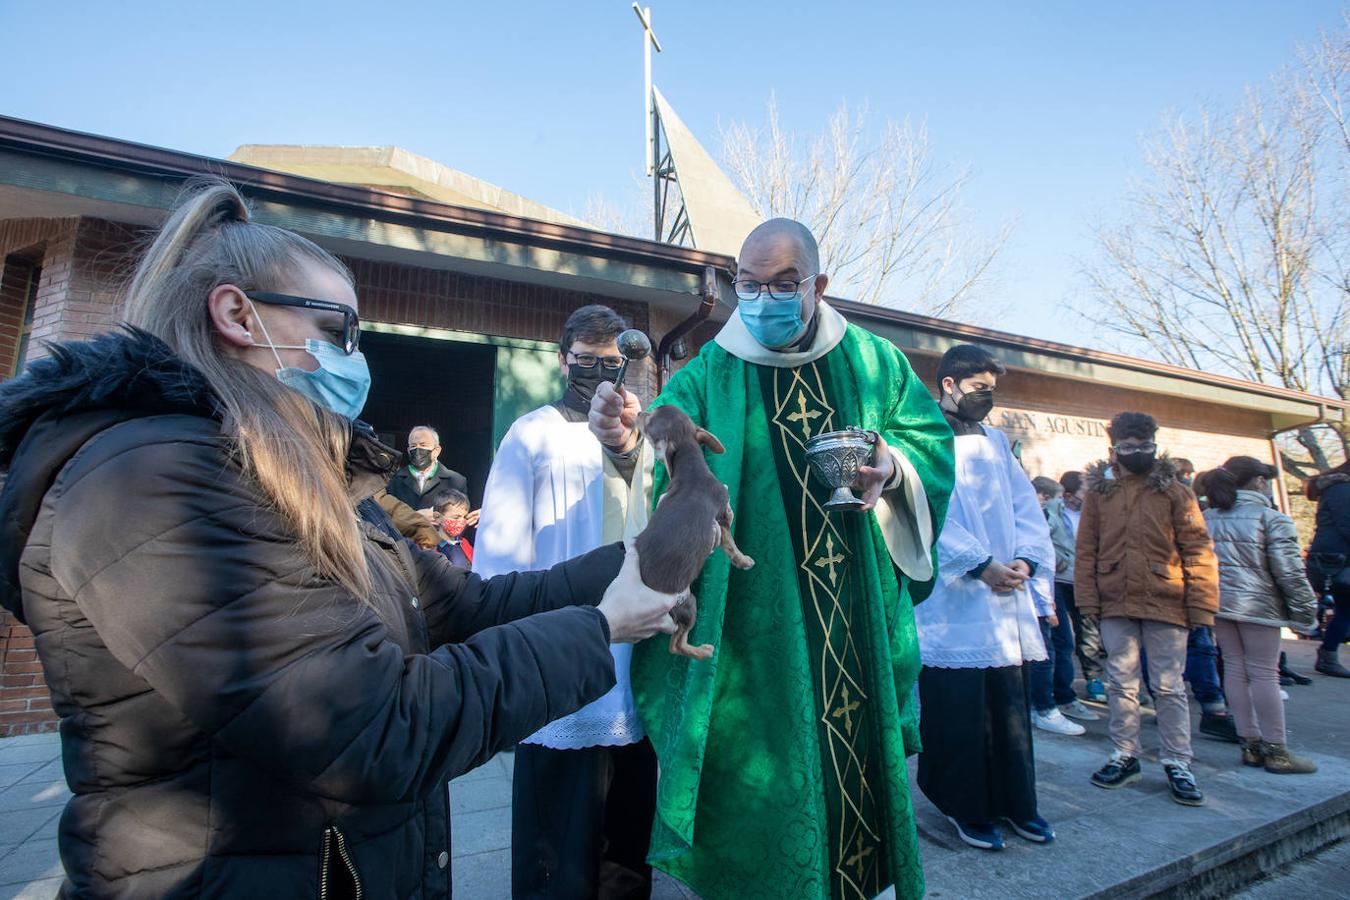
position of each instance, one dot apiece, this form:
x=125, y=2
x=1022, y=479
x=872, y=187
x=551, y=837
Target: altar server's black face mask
x=582, y=380
x=973, y=406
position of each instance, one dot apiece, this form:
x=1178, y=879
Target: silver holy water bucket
x=835, y=458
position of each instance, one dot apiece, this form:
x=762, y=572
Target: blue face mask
x=341, y=383
x=774, y=323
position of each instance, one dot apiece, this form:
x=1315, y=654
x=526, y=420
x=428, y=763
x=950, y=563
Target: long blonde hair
x=291, y=448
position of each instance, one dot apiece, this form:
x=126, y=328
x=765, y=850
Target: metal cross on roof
x=649, y=40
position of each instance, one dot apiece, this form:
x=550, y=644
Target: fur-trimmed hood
x=1102, y=480
x=1318, y=484
x=129, y=369
x=50, y=411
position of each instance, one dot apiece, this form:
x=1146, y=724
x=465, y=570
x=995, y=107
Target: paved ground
x=1104, y=836
x=1322, y=876
x=32, y=792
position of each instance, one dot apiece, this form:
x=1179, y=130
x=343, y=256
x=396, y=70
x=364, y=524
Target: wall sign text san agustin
x=1048, y=423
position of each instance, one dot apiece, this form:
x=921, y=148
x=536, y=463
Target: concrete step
x=1237, y=862
x=1135, y=842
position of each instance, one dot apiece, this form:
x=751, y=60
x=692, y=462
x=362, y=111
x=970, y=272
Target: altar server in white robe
x=584, y=788
x=980, y=625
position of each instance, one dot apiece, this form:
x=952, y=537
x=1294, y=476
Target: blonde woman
x=260, y=695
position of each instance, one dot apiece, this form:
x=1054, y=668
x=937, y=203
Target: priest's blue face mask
x=772, y=312
x=341, y=383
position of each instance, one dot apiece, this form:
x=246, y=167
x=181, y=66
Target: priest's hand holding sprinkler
x=614, y=411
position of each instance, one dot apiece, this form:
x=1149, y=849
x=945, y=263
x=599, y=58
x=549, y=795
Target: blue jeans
x=1051, y=681
x=1202, y=667
x=1339, y=629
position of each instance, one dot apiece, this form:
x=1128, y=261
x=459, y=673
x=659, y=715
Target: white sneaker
x=1055, y=723
x=1077, y=710
x=1284, y=695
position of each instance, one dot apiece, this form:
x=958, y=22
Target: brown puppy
x=691, y=519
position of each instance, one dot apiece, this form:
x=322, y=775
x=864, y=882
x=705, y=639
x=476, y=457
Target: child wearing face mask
x=1064, y=514
x=1145, y=569
x=451, y=518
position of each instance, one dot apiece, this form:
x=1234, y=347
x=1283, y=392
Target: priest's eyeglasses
x=589, y=361
x=348, y=338
x=781, y=289
x=1137, y=448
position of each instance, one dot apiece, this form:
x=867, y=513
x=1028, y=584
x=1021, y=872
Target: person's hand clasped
x=873, y=479
x=613, y=416
x=1003, y=579
x=635, y=612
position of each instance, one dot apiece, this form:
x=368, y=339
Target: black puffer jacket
x=232, y=724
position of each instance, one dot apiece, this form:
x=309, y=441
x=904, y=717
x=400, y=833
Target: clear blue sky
x=1046, y=102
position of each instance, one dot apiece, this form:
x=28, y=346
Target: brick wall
x=25, y=706
x=80, y=294
x=408, y=295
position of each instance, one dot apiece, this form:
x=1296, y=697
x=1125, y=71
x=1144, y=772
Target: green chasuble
x=782, y=758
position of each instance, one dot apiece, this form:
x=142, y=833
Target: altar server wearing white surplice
x=585, y=785
x=980, y=626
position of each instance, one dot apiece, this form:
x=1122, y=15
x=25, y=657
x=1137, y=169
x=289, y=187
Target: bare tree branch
x=1234, y=255
x=886, y=215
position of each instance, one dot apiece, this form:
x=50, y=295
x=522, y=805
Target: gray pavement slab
x=41, y=889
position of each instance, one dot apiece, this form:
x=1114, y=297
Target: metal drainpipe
x=700, y=315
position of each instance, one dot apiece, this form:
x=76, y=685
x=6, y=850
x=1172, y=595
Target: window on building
x=26, y=324
x=20, y=275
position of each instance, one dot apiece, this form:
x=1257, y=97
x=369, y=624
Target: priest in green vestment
x=782, y=758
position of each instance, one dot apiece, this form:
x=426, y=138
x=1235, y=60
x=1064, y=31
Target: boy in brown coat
x=1146, y=568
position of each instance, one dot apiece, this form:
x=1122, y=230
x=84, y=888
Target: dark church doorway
x=445, y=384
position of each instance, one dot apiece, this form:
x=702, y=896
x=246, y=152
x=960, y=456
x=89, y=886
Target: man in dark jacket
x=234, y=724
x=1328, y=556
x=1145, y=567
x=422, y=484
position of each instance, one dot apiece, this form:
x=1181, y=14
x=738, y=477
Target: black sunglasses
x=351, y=322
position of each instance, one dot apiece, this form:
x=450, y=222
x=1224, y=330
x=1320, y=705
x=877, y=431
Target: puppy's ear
x=641, y=423
x=709, y=440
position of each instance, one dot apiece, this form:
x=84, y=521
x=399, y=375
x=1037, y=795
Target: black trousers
x=977, y=763
x=581, y=822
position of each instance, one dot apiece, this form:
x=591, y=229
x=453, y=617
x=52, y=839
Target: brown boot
x=1253, y=752
x=1280, y=761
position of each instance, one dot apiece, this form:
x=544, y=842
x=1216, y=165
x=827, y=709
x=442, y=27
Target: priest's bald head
x=779, y=282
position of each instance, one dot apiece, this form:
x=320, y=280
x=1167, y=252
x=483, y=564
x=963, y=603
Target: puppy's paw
x=702, y=651
x=680, y=646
